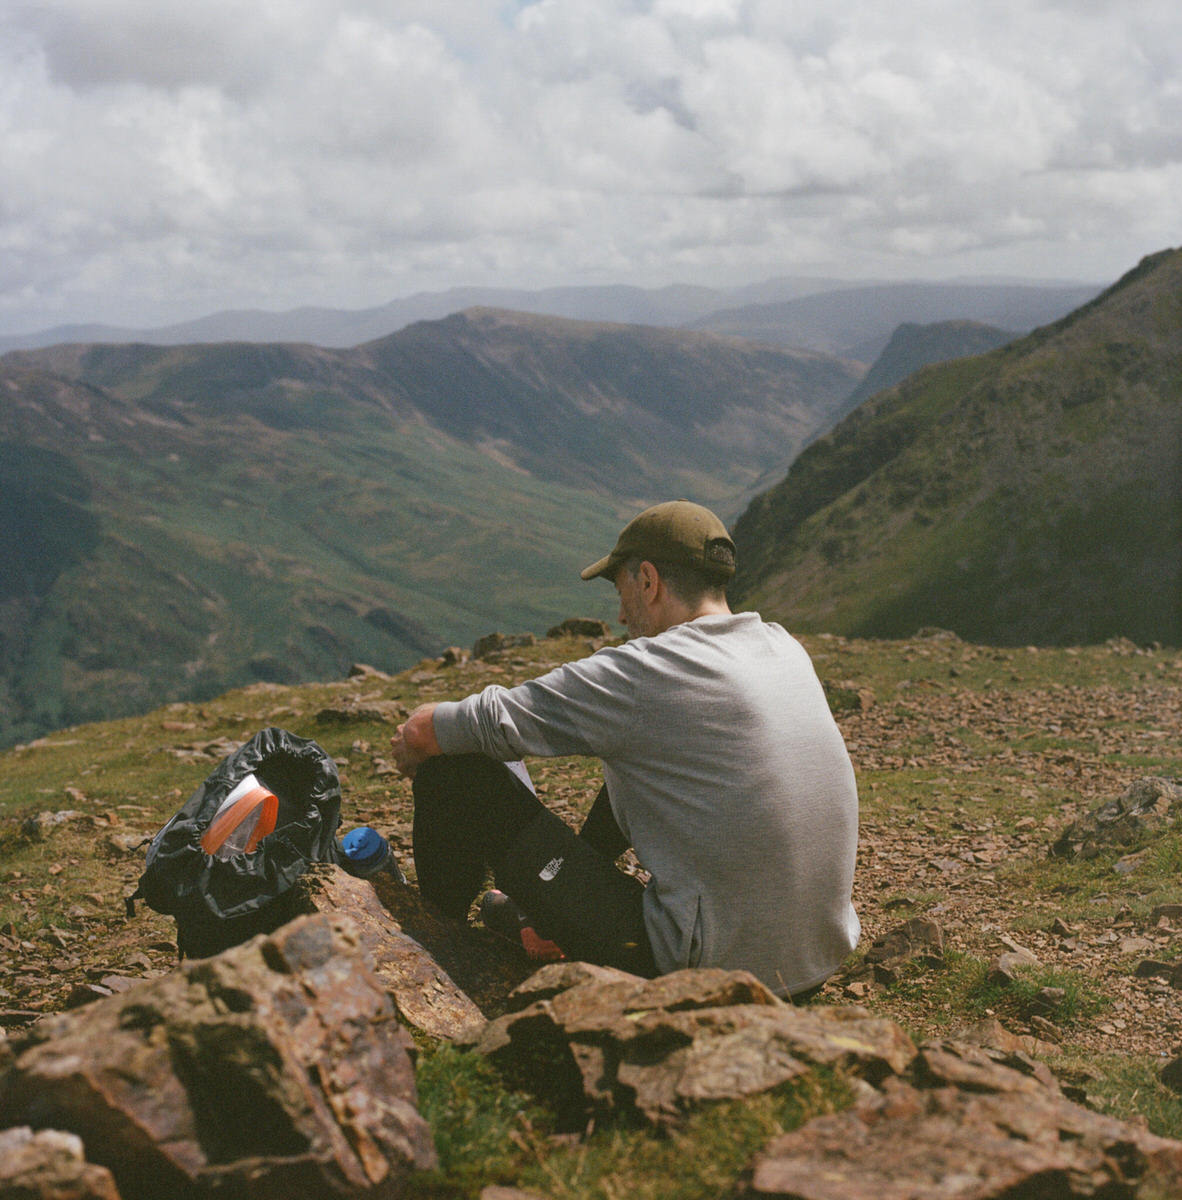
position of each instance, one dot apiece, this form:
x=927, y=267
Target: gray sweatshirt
x=726, y=772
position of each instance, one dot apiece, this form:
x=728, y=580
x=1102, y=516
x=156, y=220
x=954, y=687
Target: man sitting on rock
x=722, y=765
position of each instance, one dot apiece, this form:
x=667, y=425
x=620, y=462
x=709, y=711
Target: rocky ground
x=971, y=762
x=984, y=875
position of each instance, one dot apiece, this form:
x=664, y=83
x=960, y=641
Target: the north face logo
x=547, y=873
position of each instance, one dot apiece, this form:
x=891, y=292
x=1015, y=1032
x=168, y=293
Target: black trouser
x=472, y=814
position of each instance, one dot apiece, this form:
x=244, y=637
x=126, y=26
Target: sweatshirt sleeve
x=586, y=707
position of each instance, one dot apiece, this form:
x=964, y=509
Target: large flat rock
x=610, y=1043
x=276, y=1069
x=949, y=1144
x=423, y=992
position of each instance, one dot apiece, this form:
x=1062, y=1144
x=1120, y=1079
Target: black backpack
x=223, y=865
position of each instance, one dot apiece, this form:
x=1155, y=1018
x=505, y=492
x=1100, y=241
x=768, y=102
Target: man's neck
x=680, y=614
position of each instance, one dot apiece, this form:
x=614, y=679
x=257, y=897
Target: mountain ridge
x=276, y=512
x=913, y=346
x=490, y=375
x=345, y=328
x=1033, y=493
x=672, y=305
x=858, y=323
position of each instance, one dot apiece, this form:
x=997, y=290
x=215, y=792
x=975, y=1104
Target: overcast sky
x=162, y=159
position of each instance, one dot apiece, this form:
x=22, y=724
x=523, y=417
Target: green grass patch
x=1087, y=889
x=1165, y=857
x=483, y=1131
x=1130, y=1088
x=1064, y=997
x=703, y=1161
x=486, y=1133
x=961, y=987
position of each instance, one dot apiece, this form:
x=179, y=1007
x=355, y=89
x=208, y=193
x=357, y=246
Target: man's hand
x=414, y=741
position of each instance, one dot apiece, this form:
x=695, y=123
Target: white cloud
x=164, y=159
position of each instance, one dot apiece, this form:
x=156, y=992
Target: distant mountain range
x=178, y=520
x=1029, y=494
x=342, y=328
x=848, y=319
x=857, y=323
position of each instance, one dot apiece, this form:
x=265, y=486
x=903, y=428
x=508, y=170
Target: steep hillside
x=175, y=521
x=1032, y=494
x=857, y=323
x=149, y=558
x=585, y=404
x=914, y=346
x=615, y=407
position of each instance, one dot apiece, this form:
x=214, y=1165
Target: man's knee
x=455, y=777
x=468, y=807
x=475, y=789
x=576, y=896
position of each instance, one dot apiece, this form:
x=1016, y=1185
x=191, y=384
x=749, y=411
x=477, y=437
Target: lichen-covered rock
x=657, y=1048
x=353, y=711
x=949, y=1144
x=484, y=967
x=975, y=1068
x=276, y=1069
x=50, y=1165
x=921, y=937
x=40, y=825
x=548, y=981
x=990, y=1033
x=425, y=995
x=590, y=627
x=1145, y=806
x=494, y=643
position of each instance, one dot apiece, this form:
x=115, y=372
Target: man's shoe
x=502, y=917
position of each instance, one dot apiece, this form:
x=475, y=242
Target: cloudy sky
x=162, y=159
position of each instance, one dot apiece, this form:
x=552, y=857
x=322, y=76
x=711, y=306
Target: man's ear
x=650, y=580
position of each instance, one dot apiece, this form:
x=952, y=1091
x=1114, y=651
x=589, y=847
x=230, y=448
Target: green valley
x=183, y=519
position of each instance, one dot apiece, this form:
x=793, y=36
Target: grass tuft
x=1130, y=1089
x=1063, y=997
x=961, y=987
x=487, y=1134
x=483, y=1131
x=704, y=1160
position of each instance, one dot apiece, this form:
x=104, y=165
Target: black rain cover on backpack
x=219, y=902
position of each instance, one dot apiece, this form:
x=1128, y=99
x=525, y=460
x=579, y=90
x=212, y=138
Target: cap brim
x=604, y=566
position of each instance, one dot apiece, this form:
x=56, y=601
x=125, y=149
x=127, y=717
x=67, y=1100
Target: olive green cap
x=677, y=531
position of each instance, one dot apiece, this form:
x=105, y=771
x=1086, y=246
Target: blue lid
x=364, y=846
